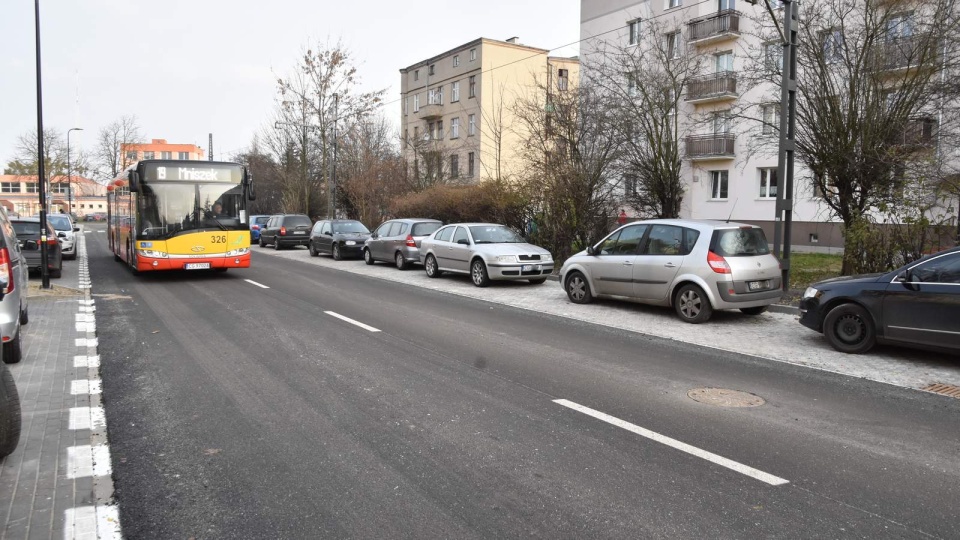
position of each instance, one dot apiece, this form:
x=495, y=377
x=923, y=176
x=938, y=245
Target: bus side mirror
x=250, y=193
x=134, y=179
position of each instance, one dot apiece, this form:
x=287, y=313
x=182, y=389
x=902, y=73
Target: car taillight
x=255, y=228
x=410, y=241
x=52, y=241
x=717, y=263
x=7, y=269
x=283, y=231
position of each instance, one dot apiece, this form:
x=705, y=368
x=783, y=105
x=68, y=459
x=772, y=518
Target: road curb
x=787, y=310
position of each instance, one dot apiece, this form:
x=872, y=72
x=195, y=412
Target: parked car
x=285, y=231
x=917, y=305
x=341, y=238
x=694, y=266
x=14, y=280
x=67, y=230
x=398, y=241
x=28, y=233
x=9, y=413
x=485, y=251
x=257, y=222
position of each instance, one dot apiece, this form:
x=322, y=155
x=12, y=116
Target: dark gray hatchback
x=28, y=232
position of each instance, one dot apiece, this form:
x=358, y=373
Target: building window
x=148, y=155
x=563, y=79
x=719, y=184
x=435, y=96
x=456, y=60
x=454, y=166
x=60, y=188
x=99, y=206
x=470, y=164
x=432, y=69
x=673, y=45
x=771, y=118
x=416, y=103
x=439, y=134
x=183, y=155
x=165, y=155
x=473, y=86
x=473, y=54
x=431, y=131
x=630, y=185
x=454, y=128
x=631, y=84
x=406, y=136
x=832, y=45
x=406, y=106
x=634, y=27
x=455, y=92
x=724, y=62
x=33, y=187
x=818, y=180
x=416, y=74
x=472, y=125
x=768, y=183
x=899, y=27
x=674, y=3
x=9, y=187
x=721, y=122
x=773, y=56
x=416, y=134
x=132, y=155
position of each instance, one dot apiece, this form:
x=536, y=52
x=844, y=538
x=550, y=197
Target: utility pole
x=332, y=187
x=69, y=175
x=41, y=176
x=210, y=147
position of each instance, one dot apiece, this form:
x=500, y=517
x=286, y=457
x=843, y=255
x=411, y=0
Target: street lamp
x=69, y=176
x=44, y=271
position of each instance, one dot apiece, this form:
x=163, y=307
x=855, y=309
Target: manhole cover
x=944, y=390
x=722, y=397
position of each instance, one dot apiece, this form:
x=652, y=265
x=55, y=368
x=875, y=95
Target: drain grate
x=944, y=390
x=722, y=397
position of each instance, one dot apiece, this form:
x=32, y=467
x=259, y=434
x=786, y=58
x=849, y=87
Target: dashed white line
x=252, y=282
x=351, y=321
x=87, y=460
x=81, y=387
x=86, y=361
x=88, y=522
x=673, y=443
x=87, y=418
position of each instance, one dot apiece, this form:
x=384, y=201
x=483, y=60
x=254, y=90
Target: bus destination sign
x=193, y=173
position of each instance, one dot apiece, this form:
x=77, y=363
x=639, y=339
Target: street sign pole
x=783, y=221
x=41, y=176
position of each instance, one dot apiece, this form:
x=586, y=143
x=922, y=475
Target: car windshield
x=27, y=228
x=494, y=234
x=60, y=223
x=425, y=229
x=169, y=209
x=347, y=227
x=261, y=220
x=744, y=242
x=296, y=221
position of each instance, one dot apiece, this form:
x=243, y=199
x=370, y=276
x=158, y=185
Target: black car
x=341, y=238
x=28, y=232
x=917, y=305
x=285, y=231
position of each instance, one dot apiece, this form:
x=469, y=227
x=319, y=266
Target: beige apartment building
x=457, y=117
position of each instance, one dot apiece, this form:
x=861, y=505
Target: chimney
x=513, y=39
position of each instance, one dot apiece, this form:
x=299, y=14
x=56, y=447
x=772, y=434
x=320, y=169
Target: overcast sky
x=187, y=68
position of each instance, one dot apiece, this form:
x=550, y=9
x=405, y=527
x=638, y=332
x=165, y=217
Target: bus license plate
x=758, y=285
x=197, y=266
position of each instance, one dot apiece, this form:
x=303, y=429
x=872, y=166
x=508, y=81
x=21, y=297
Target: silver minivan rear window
x=743, y=242
x=425, y=229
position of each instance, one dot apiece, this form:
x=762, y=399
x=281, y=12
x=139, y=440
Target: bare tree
x=108, y=154
x=265, y=172
x=371, y=170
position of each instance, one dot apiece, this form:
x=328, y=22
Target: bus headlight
x=152, y=253
x=238, y=252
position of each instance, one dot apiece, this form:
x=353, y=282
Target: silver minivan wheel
x=577, y=289
x=401, y=261
x=692, y=304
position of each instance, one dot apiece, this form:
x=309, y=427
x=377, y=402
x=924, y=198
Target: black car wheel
x=430, y=266
x=9, y=413
x=13, y=350
x=25, y=316
x=276, y=245
x=692, y=304
x=753, y=310
x=368, y=257
x=313, y=250
x=849, y=328
x=261, y=242
x=478, y=273
x=578, y=290
x=336, y=253
x=56, y=272
x=401, y=261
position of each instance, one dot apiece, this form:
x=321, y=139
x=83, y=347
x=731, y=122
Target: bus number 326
x=219, y=239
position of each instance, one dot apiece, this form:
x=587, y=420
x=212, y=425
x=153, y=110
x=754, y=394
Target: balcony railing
x=715, y=146
x=721, y=24
x=905, y=52
x=917, y=134
x=714, y=87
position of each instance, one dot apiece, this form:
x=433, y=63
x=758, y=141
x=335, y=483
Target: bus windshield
x=167, y=209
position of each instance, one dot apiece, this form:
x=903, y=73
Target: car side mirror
x=463, y=242
x=328, y=233
x=61, y=234
x=591, y=250
x=76, y=229
x=374, y=236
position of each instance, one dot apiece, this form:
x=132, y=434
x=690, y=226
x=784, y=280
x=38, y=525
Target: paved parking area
x=773, y=336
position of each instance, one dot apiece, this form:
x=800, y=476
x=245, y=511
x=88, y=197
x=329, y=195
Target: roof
x=469, y=44
x=54, y=179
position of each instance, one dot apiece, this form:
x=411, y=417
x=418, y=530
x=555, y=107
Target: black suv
x=286, y=230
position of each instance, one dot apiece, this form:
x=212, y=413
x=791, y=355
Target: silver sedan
x=485, y=251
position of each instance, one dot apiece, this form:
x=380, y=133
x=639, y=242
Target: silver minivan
x=398, y=241
x=13, y=305
x=694, y=266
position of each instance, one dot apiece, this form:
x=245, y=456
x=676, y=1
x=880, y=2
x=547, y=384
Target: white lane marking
x=261, y=285
x=84, y=342
x=89, y=522
x=351, y=321
x=87, y=460
x=86, y=361
x=673, y=443
x=86, y=327
x=87, y=418
x=84, y=387
x=84, y=317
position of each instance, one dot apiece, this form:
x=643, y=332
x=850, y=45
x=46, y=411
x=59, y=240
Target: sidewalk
x=57, y=483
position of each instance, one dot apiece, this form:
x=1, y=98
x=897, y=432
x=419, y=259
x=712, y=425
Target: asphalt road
x=237, y=411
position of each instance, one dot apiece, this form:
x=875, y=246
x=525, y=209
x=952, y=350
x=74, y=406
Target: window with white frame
x=454, y=128
x=631, y=84
x=416, y=103
x=768, y=183
x=165, y=155
x=439, y=133
x=899, y=26
x=431, y=131
x=132, y=155
x=183, y=155
x=473, y=54
x=832, y=45
x=820, y=180
x=148, y=155
x=674, y=45
x=723, y=61
x=719, y=181
x=435, y=96
x=773, y=56
x=721, y=122
x=471, y=125
x=456, y=60
x=454, y=166
x=406, y=106
x=674, y=3
x=455, y=92
x=726, y=4
x=771, y=118
x=61, y=187
x=470, y=164
x=33, y=187
x=630, y=185
x=563, y=79
x=9, y=187
x=472, y=89
x=634, y=30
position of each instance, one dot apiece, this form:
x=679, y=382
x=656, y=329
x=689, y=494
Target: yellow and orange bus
x=180, y=215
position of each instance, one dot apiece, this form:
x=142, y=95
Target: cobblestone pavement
x=773, y=336
x=57, y=483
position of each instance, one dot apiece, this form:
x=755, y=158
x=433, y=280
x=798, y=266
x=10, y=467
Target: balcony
x=715, y=27
x=431, y=111
x=712, y=88
x=905, y=53
x=710, y=147
x=917, y=135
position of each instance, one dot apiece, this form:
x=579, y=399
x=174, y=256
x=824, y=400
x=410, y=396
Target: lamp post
x=69, y=175
x=44, y=271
